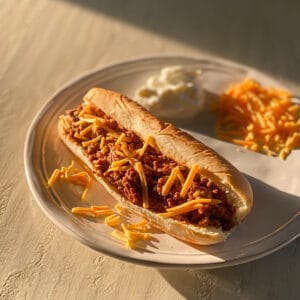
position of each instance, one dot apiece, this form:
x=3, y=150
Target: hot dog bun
x=180, y=147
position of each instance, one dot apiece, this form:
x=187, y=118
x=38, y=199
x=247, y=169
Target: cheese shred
x=139, y=169
x=139, y=225
x=72, y=175
x=188, y=206
x=170, y=181
x=112, y=220
x=189, y=180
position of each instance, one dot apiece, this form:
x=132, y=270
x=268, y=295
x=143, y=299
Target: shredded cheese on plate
x=260, y=119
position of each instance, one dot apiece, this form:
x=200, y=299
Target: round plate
x=273, y=222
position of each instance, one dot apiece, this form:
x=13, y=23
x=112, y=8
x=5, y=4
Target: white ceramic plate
x=273, y=223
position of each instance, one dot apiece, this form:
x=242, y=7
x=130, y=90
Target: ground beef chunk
x=131, y=184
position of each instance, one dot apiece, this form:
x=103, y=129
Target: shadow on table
x=273, y=277
x=250, y=32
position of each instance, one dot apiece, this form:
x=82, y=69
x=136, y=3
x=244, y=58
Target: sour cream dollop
x=173, y=93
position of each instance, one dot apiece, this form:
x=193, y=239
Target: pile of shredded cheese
x=260, y=119
x=127, y=233
x=72, y=175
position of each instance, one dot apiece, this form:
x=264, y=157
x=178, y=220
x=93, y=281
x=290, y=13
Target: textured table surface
x=43, y=45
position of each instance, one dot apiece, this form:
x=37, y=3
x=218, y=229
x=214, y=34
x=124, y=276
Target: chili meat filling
x=157, y=168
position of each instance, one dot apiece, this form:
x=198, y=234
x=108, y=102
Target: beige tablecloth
x=43, y=45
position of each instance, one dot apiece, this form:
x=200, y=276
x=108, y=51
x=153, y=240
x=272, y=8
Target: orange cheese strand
x=180, y=176
x=120, y=138
x=119, y=207
x=126, y=151
x=92, y=141
x=85, y=109
x=112, y=220
x=119, y=235
x=86, y=130
x=84, y=193
x=139, y=169
x=135, y=235
x=66, y=121
x=84, y=211
x=138, y=225
x=92, y=211
x=80, y=137
x=102, y=212
x=53, y=178
x=101, y=124
x=189, y=180
x=149, y=141
x=171, y=179
x=119, y=163
x=99, y=207
x=80, y=178
x=188, y=206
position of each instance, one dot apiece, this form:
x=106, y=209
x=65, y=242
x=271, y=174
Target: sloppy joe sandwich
x=155, y=170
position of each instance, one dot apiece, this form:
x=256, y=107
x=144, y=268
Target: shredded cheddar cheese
x=171, y=179
x=188, y=206
x=139, y=225
x=86, y=130
x=119, y=207
x=92, y=141
x=72, y=175
x=119, y=163
x=134, y=235
x=79, y=178
x=119, y=235
x=180, y=176
x=103, y=212
x=260, y=119
x=120, y=138
x=139, y=169
x=149, y=141
x=91, y=119
x=189, y=180
x=102, y=142
x=101, y=124
x=120, y=153
x=86, y=109
x=66, y=121
x=83, y=211
x=129, y=236
x=93, y=211
x=84, y=193
x=126, y=151
x=99, y=207
x=55, y=175
x=112, y=220
x=80, y=137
